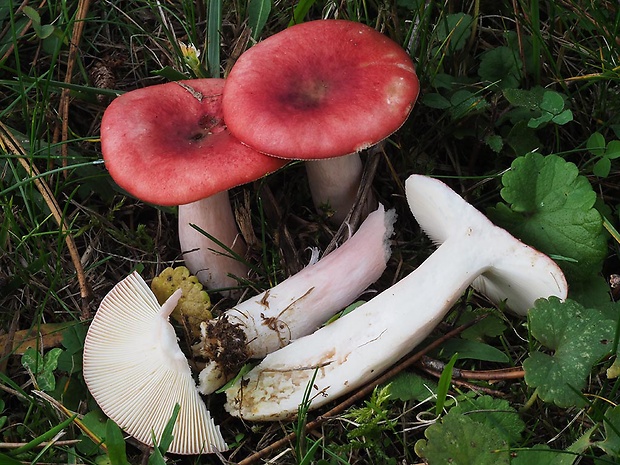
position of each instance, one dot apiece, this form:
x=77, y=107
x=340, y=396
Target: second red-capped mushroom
x=167, y=145
x=317, y=91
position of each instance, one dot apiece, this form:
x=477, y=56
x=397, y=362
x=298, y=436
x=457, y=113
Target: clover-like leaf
x=551, y=207
x=495, y=413
x=552, y=108
x=460, y=440
x=578, y=336
x=42, y=367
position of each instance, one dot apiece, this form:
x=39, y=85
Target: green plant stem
x=530, y=402
x=47, y=436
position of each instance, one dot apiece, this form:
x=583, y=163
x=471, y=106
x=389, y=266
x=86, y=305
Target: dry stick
x=16, y=445
x=76, y=36
x=361, y=394
x=8, y=143
x=434, y=367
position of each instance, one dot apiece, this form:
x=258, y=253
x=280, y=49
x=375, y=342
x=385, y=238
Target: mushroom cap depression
x=167, y=144
x=319, y=89
x=136, y=372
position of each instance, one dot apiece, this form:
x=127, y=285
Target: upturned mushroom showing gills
x=362, y=344
x=298, y=305
x=136, y=372
x=320, y=90
x=167, y=145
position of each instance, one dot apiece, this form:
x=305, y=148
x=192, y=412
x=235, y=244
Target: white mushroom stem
x=361, y=345
x=300, y=304
x=213, y=265
x=335, y=182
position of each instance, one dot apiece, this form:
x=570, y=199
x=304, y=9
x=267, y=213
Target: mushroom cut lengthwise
x=362, y=344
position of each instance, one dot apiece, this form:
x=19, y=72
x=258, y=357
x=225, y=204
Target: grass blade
x=258, y=12
x=444, y=384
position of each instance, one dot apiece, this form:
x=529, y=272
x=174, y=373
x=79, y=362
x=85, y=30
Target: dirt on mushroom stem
x=224, y=343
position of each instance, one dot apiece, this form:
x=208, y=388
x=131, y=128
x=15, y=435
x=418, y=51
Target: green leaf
x=410, y=386
x=564, y=117
x=602, y=167
x=258, y=12
x=32, y=14
x=551, y=207
x=464, y=102
x=541, y=454
x=552, y=107
x=115, y=444
x=495, y=413
x=578, y=336
x=70, y=359
x=491, y=326
x=453, y=31
x=166, y=438
x=6, y=460
x=47, y=436
x=501, y=65
x=613, y=150
x=530, y=99
x=611, y=443
x=445, y=380
x=42, y=367
x=95, y=421
x=459, y=440
x=538, y=122
x=436, y=101
x=552, y=102
x=300, y=12
x=474, y=350
x=593, y=292
x=522, y=139
x=214, y=33
x=170, y=73
x=495, y=142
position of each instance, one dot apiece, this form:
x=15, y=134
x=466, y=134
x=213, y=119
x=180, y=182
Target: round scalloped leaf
x=579, y=336
x=496, y=413
x=459, y=440
x=551, y=207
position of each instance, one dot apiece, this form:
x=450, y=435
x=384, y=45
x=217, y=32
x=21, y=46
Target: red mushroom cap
x=319, y=89
x=167, y=144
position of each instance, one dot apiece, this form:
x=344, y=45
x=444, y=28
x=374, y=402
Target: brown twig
x=11, y=145
x=82, y=10
x=359, y=395
x=436, y=367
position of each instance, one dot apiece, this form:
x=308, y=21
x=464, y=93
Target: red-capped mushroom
x=320, y=90
x=167, y=145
